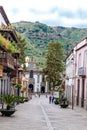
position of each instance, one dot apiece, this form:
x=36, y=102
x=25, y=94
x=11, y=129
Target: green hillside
x=37, y=36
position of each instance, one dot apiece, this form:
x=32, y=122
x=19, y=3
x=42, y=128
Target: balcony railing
x=17, y=80
x=82, y=71
x=6, y=60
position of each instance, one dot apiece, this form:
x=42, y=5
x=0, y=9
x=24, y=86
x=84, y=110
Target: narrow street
x=38, y=114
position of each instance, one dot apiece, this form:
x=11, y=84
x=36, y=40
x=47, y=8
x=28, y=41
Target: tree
x=54, y=63
x=22, y=47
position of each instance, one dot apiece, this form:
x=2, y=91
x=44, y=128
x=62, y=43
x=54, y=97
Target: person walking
x=50, y=99
x=46, y=95
x=39, y=95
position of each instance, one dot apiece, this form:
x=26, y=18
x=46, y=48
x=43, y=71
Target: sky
x=66, y=13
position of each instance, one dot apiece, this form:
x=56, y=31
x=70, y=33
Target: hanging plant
x=3, y=42
x=8, y=45
x=12, y=48
x=18, y=85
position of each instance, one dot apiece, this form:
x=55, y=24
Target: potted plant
x=18, y=86
x=21, y=99
x=64, y=102
x=56, y=100
x=26, y=99
x=8, y=100
x=61, y=92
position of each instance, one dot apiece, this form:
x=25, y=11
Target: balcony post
x=16, y=56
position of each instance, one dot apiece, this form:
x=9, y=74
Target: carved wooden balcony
x=16, y=80
x=7, y=61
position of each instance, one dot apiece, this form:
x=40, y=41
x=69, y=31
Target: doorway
x=78, y=85
x=42, y=89
x=31, y=87
x=83, y=90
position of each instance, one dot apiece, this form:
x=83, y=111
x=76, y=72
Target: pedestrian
x=39, y=95
x=35, y=94
x=50, y=99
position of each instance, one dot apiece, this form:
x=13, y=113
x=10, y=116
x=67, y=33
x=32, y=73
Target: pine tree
x=55, y=63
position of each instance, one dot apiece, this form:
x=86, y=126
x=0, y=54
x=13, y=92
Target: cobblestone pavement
x=38, y=114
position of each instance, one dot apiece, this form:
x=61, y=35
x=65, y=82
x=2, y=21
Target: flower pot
x=56, y=102
x=64, y=105
x=7, y=112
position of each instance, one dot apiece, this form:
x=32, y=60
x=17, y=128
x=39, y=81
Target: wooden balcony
x=7, y=61
x=16, y=80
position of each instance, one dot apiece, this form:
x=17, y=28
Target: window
x=31, y=74
x=31, y=65
x=79, y=60
x=85, y=58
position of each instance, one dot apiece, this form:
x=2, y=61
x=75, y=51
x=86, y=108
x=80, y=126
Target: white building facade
x=36, y=81
x=69, y=82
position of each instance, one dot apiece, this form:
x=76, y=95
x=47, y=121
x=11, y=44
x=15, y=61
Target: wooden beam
x=4, y=15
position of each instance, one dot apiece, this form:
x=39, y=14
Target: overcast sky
x=67, y=13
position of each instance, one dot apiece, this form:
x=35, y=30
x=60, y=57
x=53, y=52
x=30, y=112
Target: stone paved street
x=38, y=114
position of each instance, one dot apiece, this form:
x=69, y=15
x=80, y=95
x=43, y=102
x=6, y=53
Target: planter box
x=64, y=105
x=7, y=112
x=56, y=102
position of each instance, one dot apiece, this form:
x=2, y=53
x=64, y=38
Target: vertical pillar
x=72, y=97
x=16, y=56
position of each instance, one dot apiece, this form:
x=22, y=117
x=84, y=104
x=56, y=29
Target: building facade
x=36, y=80
x=69, y=78
x=10, y=73
x=81, y=74
x=77, y=69
x=7, y=60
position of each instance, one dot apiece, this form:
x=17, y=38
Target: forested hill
x=38, y=35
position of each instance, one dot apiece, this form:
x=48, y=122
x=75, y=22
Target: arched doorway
x=31, y=87
x=42, y=89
